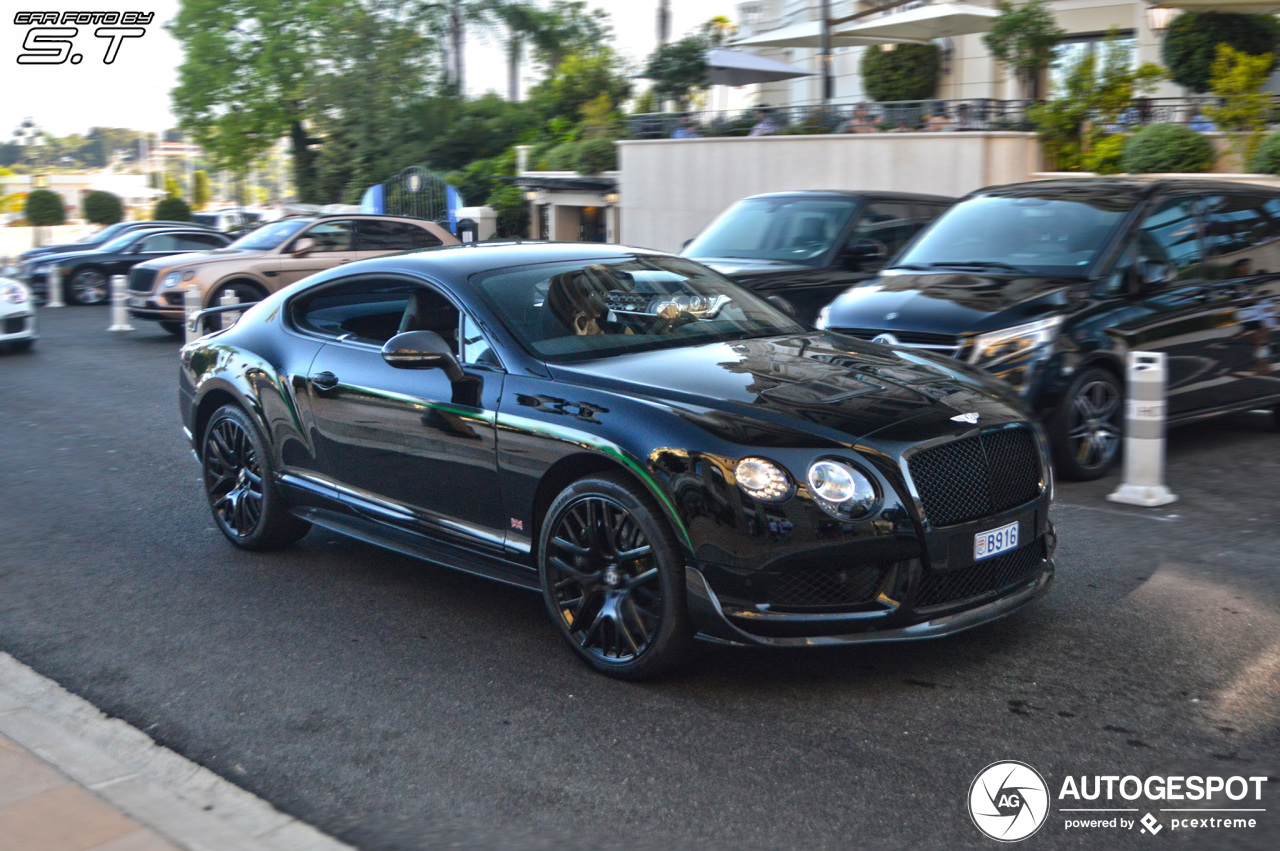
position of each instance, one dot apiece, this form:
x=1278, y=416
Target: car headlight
x=841, y=489
x=14, y=293
x=1010, y=343
x=762, y=479
x=823, y=316
x=178, y=276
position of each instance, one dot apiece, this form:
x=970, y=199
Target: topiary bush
x=561, y=157
x=172, y=210
x=44, y=209
x=908, y=72
x=594, y=156
x=103, y=208
x=1167, y=148
x=1266, y=159
x=1191, y=43
x=1106, y=155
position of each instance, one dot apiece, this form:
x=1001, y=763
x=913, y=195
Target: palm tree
x=521, y=20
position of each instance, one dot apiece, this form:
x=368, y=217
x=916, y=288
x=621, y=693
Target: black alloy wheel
x=613, y=578
x=1088, y=428
x=89, y=286
x=238, y=481
x=246, y=294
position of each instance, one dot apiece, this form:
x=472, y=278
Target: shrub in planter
x=172, y=210
x=44, y=208
x=1266, y=159
x=909, y=72
x=562, y=157
x=594, y=156
x=1106, y=155
x=103, y=208
x=1191, y=43
x=1167, y=148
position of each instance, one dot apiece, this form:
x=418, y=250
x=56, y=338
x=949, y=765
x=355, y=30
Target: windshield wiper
x=981, y=264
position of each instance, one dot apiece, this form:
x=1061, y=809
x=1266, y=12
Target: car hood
x=59, y=256
x=825, y=385
x=738, y=268
x=69, y=248
x=948, y=302
x=203, y=258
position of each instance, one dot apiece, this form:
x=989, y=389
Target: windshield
x=1040, y=235
x=588, y=310
x=102, y=233
x=120, y=243
x=793, y=230
x=269, y=236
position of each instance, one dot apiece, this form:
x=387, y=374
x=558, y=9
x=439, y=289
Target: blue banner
x=454, y=201
x=374, y=200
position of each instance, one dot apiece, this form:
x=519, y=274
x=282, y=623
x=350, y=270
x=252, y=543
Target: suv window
x=1171, y=234
x=1240, y=235
x=394, y=236
x=926, y=213
x=889, y=223
x=331, y=236
x=163, y=242
x=199, y=241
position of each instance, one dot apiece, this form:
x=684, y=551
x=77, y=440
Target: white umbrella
x=735, y=68
x=808, y=34
x=937, y=20
x=1244, y=7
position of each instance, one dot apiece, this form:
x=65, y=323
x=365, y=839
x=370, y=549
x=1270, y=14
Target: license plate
x=134, y=301
x=995, y=541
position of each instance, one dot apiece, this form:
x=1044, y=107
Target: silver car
x=17, y=316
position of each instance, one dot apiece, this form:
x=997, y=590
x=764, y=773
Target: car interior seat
x=429, y=311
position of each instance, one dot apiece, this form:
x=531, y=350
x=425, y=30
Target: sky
x=133, y=91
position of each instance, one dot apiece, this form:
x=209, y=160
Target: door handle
x=324, y=380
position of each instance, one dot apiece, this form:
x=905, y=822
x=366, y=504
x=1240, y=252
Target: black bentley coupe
x=660, y=452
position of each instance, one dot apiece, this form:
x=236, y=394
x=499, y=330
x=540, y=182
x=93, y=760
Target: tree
x=171, y=188
x=1023, y=38
x=44, y=209
x=580, y=79
x=103, y=208
x=678, y=70
x=1095, y=92
x=520, y=20
x=201, y=193
x=1243, y=109
x=567, y=28
x=909, y=72
x=1190, y=44
x=172, y=210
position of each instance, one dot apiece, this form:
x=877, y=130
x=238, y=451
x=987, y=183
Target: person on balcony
x=687, y=128
x=938, y=119
x=765, y=124
x=862, y=121
x=1199, y=123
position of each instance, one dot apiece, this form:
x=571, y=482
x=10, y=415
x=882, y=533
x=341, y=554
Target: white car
x=17, y=316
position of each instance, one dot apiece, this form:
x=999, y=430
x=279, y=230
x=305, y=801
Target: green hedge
x=1107, y=155
x=44, y=209
x=1167, y=148
x=172, y=210
x=908, y=72
x=1192, y=40
x=1266, y=159
x=594, y=156
x=103, y=208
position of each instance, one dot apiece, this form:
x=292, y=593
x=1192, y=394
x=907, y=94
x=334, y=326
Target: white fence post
x=231, y=317
x=54, y=281
x=190, y=306
x=1144, y=433
x=119, y=313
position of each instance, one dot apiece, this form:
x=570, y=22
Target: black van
x=810, y=246
x=1049, y=284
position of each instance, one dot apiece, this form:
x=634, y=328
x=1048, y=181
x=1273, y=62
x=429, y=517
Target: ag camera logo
x=1008, y=801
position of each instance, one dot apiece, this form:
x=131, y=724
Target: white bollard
x=1144, y=433
x=231, y=317
x=190, y=306
x=55, y=287
x=119, y=313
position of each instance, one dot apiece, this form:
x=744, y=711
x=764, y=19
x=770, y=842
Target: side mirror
x=422, y=350
x=303, y=246
x=782, y=304
x=865, y=252
x=138, y=246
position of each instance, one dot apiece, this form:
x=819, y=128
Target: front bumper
x=17, y=326
x=149, y=306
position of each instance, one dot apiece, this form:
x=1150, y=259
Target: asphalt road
x=400, y=705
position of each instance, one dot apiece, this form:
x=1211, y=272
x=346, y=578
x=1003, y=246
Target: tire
x=1087, y=430
x=247, y=293
x=175, y=328
x=88, y=286
x=239, y=481
x=613, y=578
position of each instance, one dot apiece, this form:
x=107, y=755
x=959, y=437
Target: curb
x=186, y=804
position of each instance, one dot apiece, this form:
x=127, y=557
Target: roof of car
x=1115, y=187
x=456, y=261
x=849, y=193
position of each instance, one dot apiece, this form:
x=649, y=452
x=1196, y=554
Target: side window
x=1171, y=234
x=423, y=238
x=330, y=236
x=475, y=348
x=889, y=223
x=385, y=236
x=369, y=310
x=161, y=242
x=926, y=213
x=1240, y=236
x=198, y=242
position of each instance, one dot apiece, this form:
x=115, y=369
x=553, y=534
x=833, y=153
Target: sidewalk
x=73, y=780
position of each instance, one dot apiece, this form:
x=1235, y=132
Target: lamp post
x=1159, y=19
x=825, y=56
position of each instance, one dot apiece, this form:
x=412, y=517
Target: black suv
x=808, y=247
x=1048, y=285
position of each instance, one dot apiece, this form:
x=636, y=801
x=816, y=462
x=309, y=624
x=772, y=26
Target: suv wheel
x=1087, y=428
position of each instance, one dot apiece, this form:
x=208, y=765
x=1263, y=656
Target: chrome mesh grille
x=976, y=476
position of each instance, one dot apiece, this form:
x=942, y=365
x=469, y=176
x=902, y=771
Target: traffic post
x=231, y=317
x=119, y=313
x=55, y=287
x=1145, y=411
x=190, y=307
